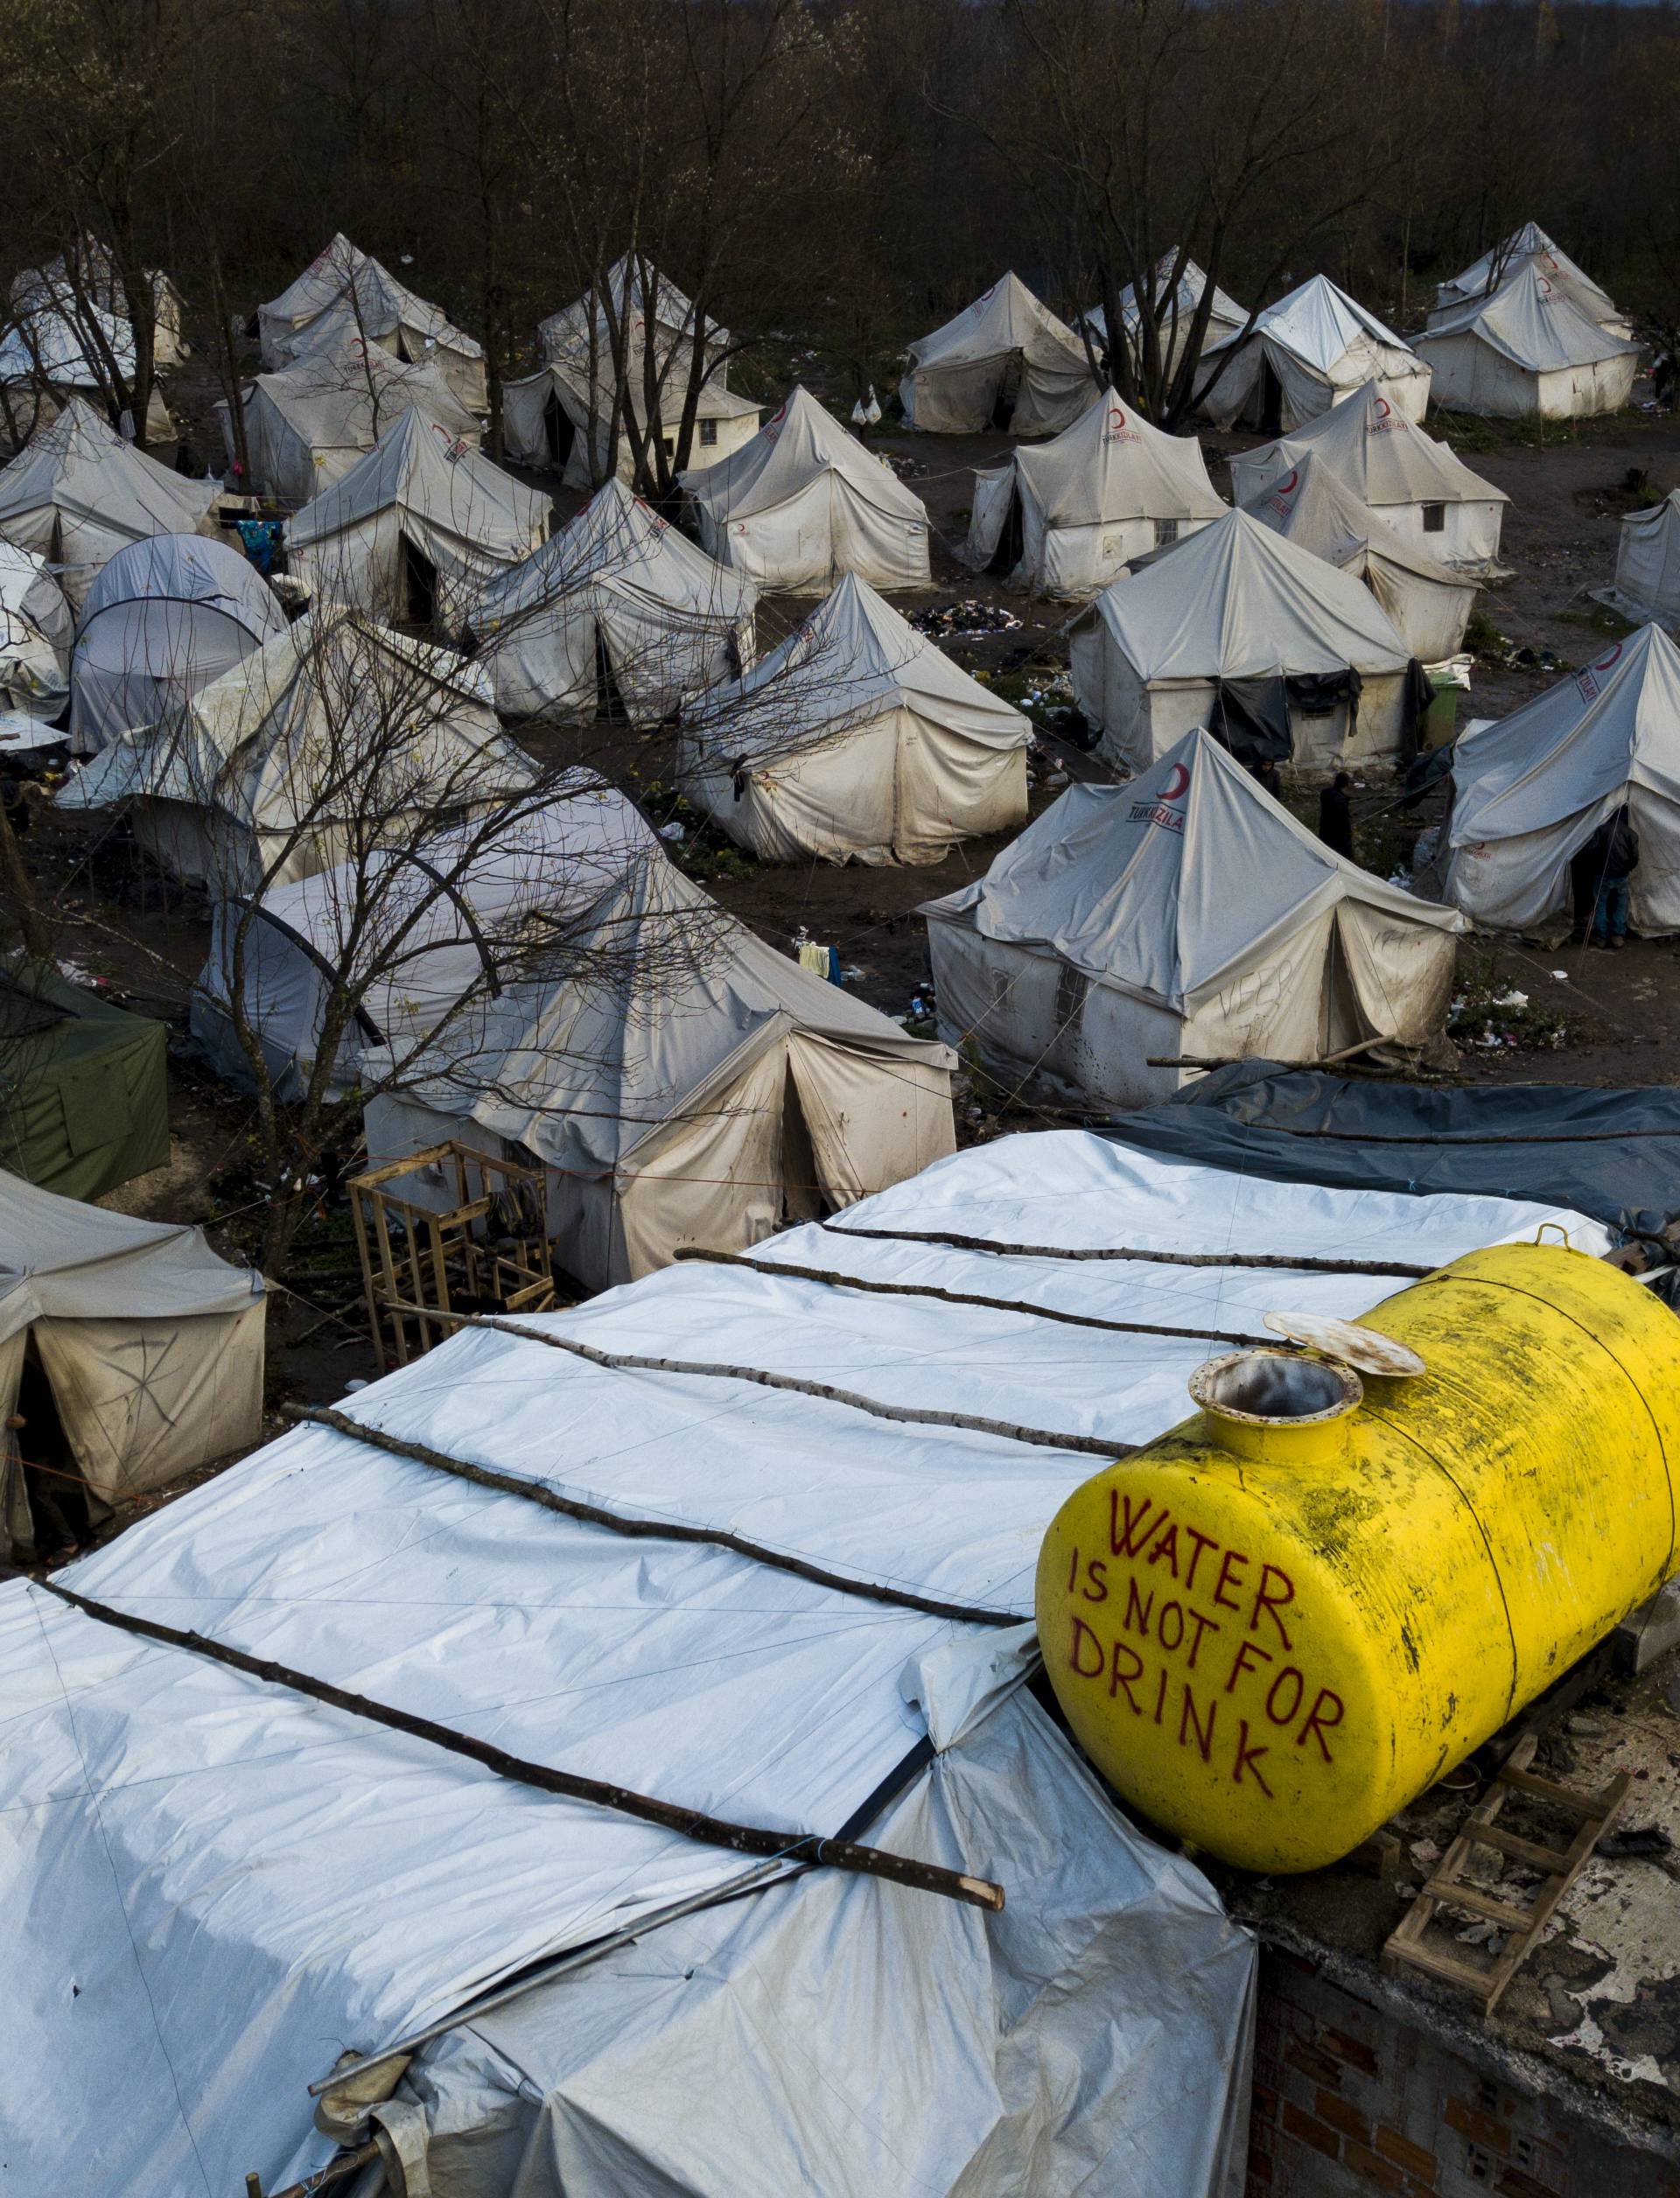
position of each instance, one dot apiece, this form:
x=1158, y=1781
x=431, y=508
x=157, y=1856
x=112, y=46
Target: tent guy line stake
x=1300, y=1265
x=963, y=1298
x=646, y=1529
x=691, y=1823
x=634, y=1362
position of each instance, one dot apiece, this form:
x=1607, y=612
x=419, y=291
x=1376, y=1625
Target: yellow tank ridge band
x=1277, y=1624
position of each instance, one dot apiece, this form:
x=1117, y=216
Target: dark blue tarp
x=1614, y=1155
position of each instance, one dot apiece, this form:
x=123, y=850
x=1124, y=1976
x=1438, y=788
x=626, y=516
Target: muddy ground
x=1591, y=1017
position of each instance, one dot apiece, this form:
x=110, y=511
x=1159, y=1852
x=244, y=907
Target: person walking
x=1609, y=859
x=1336, y=815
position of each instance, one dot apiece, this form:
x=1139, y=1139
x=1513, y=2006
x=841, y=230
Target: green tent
x=84, y=1091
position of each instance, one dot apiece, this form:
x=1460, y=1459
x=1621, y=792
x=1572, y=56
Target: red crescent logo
x=1604, y=662
x=1117, y=418
x=1289, y=480
x=1382, y=408
x=1178, y=779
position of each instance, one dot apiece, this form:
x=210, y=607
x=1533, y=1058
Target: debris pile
x=961, y=621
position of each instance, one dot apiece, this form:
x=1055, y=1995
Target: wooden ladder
x=1593, y=1815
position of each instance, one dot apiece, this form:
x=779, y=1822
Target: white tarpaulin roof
x=1529, y=789
x=1311, y=507
x=334, y=722
x=1320, y=345
x=36, y=628
x=1111, y=465
x=240, y=1882
x=343, y=294
x=62, y=345
x=1320, y=323
x=565, y=336
x=1236, y=601
x=76, y=492
x=1533, y=325
x=1383, y=456
x=422, y=927
x=665, y=612
x=1529, y=246
x=1175, y=884
x=953, y=381
x=307, y=423
x=472, y=519
x=87, y=282
x=1647, y=561
x=165, y=617
x=804, y=502
x=1225, y=317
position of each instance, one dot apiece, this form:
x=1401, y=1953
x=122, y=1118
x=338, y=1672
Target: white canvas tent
x=151, y=1346
x=1529, y=247
x=164, y=618
x=77, y=493
x=1527, y=349
x=417, y=529
x=617, y=611
x=1530, y=789
x=1096, y=2033
x=307, y=424
x=632, y=283
x=86, y=281
x=804, y=502
x=337, y=733
x=857, y=740
x=1226, y=318
x=417, y=929
x=1307, y=353
x=53, y=351
x=1238, y=604
x=1309, y=506
x=549, y=422
x=1065, y=517
x=1003, y=362
x=1186, y=915
x=36, y=631
x=343, y=294
x=1648, y=564
x=1407, y=477
x=692, y=1088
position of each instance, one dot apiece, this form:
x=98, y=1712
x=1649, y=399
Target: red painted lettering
x=1270, y=1599
x=1202, y=1626
x=1095, y=1589
x=1248, y=1759
x=1188, y=1721
x=1122, y=1682
x=1240, y=1661
x=1160, y=1695
x=1072, y=1570
x=1203, y=1542
x=1082, y=1634
x=1285, y=1716
x=1177, y=1611
x=1228, y=1578
x=1167, y=1546
x=1128, y=1541
x=1138, y=1608
x=1319, y=1719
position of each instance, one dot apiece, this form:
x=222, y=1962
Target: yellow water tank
x=1282, y=1621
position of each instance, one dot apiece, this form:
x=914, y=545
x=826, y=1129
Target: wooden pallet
x=1593, y=1815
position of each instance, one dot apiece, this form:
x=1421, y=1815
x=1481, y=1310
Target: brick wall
x=1350, y=2103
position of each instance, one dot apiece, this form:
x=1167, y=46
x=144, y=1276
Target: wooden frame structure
x=485, y=1250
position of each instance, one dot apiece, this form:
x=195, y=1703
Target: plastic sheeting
x=269, y=774
x=165, y=617
x=76, y=493
x=1307, y=353
x=1074, y=511
x=1186, y=914
x=306, y=424
x=1388, y=461
x=1527, y=349
x=618, y=582
x=36, y=629
x=345, y=295
x=1235, y=601
x=1429, y=605
x=239, y=1883
x=1005, y=362
x=1530, y=789
x=857, y=740
x=804, y=502
x=1648, y=562
x=418, y=494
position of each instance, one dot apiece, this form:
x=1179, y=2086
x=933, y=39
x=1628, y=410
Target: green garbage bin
x=1440, y=720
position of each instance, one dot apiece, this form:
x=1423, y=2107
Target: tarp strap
x=690, y=1824
x=635, y=1362
x=651, y=1529
x=1300, y=1265
x=775, y=1268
